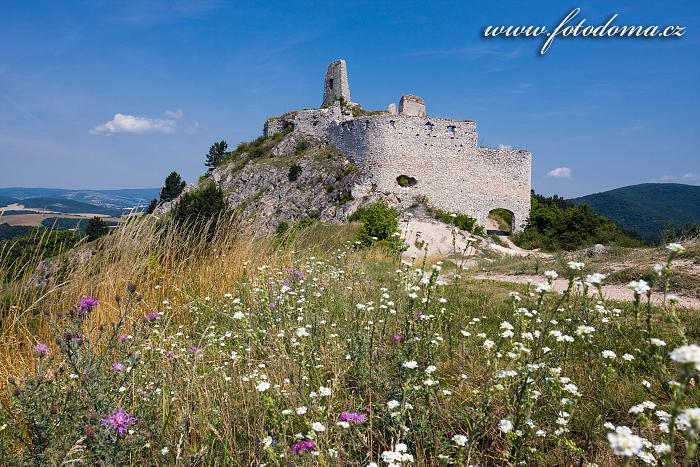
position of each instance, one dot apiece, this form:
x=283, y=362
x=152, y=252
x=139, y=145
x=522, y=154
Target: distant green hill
x=647, y=208
x=125, y=198
x=6, y=200
x=68, y=206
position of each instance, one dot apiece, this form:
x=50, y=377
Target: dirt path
x=611, y=292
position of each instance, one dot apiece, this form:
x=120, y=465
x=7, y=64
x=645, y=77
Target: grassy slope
x=214, y=414
x=647, y=208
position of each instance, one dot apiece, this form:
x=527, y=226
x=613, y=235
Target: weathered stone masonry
x=451, y=170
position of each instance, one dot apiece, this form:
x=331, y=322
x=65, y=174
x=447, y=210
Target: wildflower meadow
x=164, y=350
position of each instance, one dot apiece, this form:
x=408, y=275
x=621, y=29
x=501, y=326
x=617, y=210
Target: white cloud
x=175, y=115
x=689, y=178
x=504, y=146
x=122, y=123
x=560, y=172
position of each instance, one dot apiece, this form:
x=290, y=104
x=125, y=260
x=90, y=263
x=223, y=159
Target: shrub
x=200, y=209
x=294, y=172
x=461, y=221
x=301, y=147
x=380, y=225
x=406, y=181
x=96, y=228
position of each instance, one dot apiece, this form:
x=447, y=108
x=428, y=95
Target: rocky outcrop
x=291, y=179
x=49, y=270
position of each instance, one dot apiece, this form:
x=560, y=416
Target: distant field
x=19, y=214
x=36, y=219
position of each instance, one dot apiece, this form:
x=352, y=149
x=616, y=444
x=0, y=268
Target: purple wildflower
x=116, y=366
x=397, y=338
x=271, y=306
x=193, y=349
x=119, y=421
x=354, y=418
x=301, y=446
x=41, y=348
x=170, y=356
x=123, y=338
x=88, y=303
x=152, y=316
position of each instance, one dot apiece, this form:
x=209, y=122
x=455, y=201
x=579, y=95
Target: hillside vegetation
x=203, y=347
x=648, y=208
x=557, y=224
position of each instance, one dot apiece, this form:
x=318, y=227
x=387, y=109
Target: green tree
x=216, y=155
x=96, y=228
x=557, y=224
x=174, y=184
x=152, y=206
x=197, y=209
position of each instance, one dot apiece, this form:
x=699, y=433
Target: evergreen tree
x=216, y=155
x=96, y=228
x=174, y=184
x=152, y=206
x=200, y=208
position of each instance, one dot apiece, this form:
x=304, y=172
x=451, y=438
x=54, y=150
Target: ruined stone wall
x=451, y=170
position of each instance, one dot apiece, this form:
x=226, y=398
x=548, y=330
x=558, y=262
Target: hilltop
x=647, y=208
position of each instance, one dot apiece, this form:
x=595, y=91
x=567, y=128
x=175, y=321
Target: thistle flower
x=397, y=338
x=87, y=304
x=119, y=421
x=305, y=445
x=152, y=316
x=117, y=366
x=41, y=349
x=354, y=418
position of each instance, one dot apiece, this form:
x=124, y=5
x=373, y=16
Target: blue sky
x=614, y=112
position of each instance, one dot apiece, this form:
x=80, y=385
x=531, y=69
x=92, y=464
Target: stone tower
x=335, y=85
x=412, y=106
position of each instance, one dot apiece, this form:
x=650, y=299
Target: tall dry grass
x=151, y=253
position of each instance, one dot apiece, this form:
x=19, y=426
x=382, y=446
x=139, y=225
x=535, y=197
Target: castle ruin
x=408, y=155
